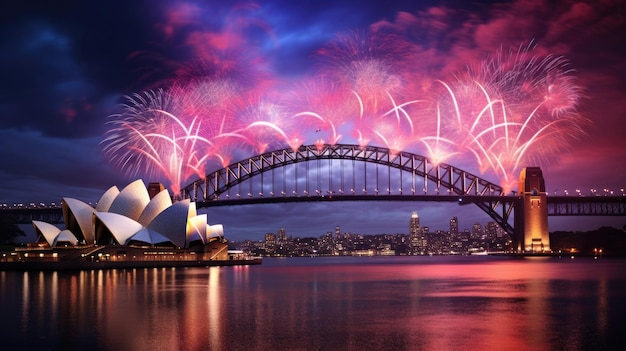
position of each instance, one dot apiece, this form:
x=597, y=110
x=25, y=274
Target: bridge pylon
x=531, y=212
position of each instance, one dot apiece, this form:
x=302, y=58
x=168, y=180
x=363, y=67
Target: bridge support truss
x=342, y=172
x=587, y=206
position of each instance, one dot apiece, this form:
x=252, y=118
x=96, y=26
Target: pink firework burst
x=372, y=64
x=511, y=109
x=321, y=106
x=396, y=127
x=264, y=123
x=514, y=109
x=149, y=138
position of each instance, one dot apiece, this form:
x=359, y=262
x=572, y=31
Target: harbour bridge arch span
x=340, y=172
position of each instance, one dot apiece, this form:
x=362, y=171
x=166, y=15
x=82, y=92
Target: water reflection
x=315, y=304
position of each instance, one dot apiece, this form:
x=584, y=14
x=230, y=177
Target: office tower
x=270, y=242
x=454, y=227
x=417, y=239
x=282, y=236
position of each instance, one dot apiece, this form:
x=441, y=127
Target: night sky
x=67, y=66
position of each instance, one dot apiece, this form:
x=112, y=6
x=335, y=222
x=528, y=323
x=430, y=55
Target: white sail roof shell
x=131, y=201
x=157, y=204
x=192, y=211
x=47, y=230
x=121, y=227
x=149, y=236
x=196, y=228
x=53, y=235
x=83, y=214
x=215, y=230
x=106, y=199
x=66, y=236
x=172, y=222
x=128, y=215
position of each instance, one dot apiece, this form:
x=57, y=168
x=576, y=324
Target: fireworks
x=514, y=109
x=510, y=110
x=149, y=137
x=264, y=124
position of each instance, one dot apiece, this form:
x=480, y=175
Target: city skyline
x=414, y=223
x=78, y=69
x=290, y=232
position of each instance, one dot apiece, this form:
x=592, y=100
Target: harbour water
x=344, y=303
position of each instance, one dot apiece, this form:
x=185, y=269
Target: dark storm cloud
x=43, y=80
x=38, y=168
x=61, y=67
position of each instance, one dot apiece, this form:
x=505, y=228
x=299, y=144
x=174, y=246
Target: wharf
x=117, y=257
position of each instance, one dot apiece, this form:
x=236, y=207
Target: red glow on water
x=438, y=303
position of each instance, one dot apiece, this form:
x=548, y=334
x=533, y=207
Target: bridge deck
x=557, y=205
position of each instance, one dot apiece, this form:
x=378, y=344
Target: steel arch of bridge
x=457, y=184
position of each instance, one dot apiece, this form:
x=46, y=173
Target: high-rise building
x=270, y=242
x=414, y=229
x=417, y=239
x=439, y=243
x=282, y=236
x=454, y=227
x=477, y=231
x=491, y=230
x=456, y=244
x=326, y=243
x=425, y=239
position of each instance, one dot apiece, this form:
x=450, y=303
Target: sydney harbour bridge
x=342, y=172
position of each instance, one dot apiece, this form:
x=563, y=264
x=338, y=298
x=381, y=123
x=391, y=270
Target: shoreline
x=120, y=257
x=103, y=265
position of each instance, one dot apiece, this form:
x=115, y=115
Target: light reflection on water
x=399, y=303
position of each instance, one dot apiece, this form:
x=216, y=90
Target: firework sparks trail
x=148, y=138
x=512, y=109
x=325, y=123
x=320, y=106
x=373, y=65
x=435, y=145
x=532, y=113
x=396, y=133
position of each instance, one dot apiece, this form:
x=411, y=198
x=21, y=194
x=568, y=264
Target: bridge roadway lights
x=531, y=212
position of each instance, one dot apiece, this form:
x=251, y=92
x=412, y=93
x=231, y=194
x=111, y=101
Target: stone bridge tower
x=531, y=219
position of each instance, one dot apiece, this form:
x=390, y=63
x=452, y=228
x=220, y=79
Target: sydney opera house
x=138, y=226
